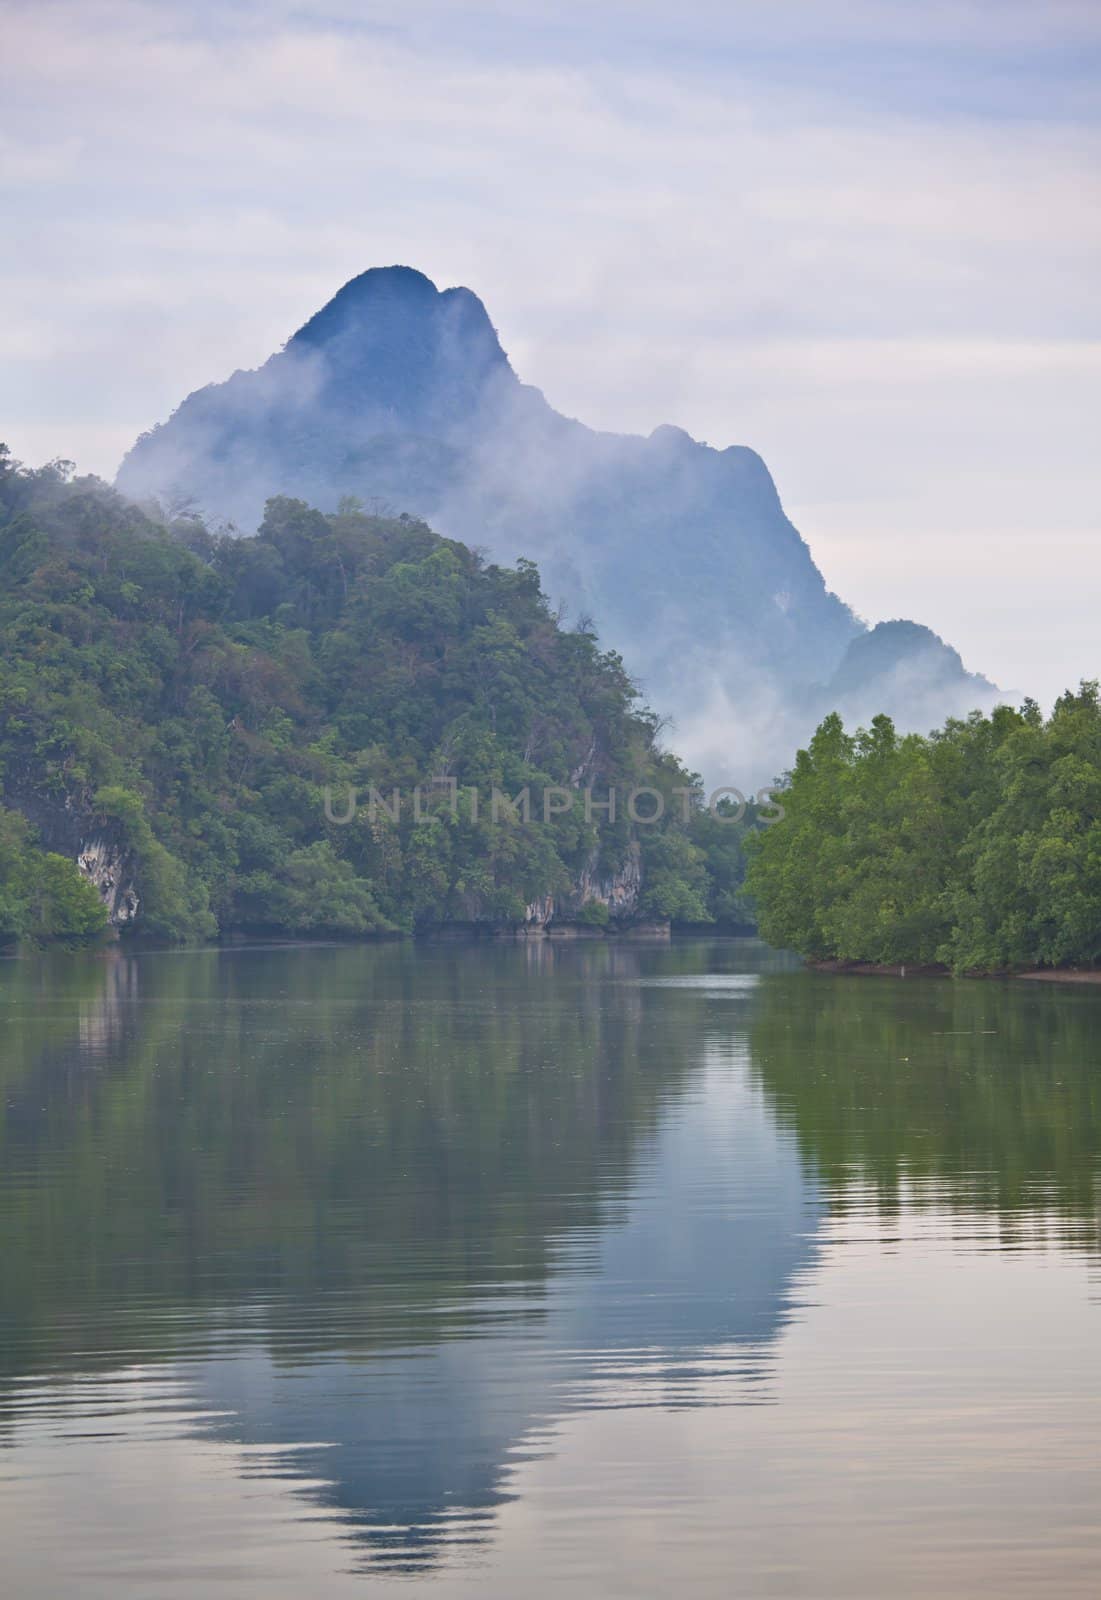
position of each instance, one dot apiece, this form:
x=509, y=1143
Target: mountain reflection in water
x=381, y=1219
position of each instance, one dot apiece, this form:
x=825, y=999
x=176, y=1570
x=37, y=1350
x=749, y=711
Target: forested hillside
x=173, y=706
x=978, y=848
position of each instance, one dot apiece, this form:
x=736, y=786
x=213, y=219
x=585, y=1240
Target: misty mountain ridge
x=400, y=395
x=905, y=663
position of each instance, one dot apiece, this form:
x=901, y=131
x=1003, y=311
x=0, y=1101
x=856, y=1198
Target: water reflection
x=388, y=1210
x=983, y=1097
x=378, y=1222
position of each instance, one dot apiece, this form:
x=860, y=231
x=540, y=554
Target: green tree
x=978, y=848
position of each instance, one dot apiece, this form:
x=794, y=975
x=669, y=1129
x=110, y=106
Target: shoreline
x=1061, y=975
x=642, y=930
x=873, y=969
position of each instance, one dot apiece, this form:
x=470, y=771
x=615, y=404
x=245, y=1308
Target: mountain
x=183, y=717
x=903, y=664
x=401, y=395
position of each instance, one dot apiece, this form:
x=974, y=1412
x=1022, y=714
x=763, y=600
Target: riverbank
x=641, y=928
x=1062, y=975
x=651, y=930
x=872, y=969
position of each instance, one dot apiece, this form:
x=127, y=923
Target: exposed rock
x=539, y=912
x=106, y=865
x=65, y=823
x=619, y=891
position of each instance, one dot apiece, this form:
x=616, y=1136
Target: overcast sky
x=864, y=238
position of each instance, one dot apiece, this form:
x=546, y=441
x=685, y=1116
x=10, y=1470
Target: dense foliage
x=43, y=898
x=192, y=696
x=978, y=848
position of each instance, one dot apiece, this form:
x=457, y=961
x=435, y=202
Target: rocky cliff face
x=67, y=824
x=402, y=396
x=106, y=865
x=617, y=891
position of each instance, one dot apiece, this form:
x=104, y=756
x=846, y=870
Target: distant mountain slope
x=401, y=395
x=905, y=664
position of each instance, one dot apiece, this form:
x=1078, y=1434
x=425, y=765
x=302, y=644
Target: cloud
x=784, y=225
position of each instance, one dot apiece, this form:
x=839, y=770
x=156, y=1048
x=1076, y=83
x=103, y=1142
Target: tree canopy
x=196, y=695
x=977, y=848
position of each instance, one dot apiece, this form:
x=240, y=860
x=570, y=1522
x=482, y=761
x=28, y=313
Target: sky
x=863, y=238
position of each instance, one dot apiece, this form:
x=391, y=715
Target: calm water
x=594, y=1270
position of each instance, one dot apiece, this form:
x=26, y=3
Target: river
x=541, y=1269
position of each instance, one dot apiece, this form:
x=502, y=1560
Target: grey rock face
x=107, y=866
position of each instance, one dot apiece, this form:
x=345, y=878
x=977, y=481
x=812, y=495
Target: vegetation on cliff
x=43, y=898
x=978, y=848
x=191, y=698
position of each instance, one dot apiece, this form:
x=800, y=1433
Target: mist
x=678, y=553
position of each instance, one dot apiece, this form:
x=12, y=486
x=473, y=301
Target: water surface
x=598, y=1269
